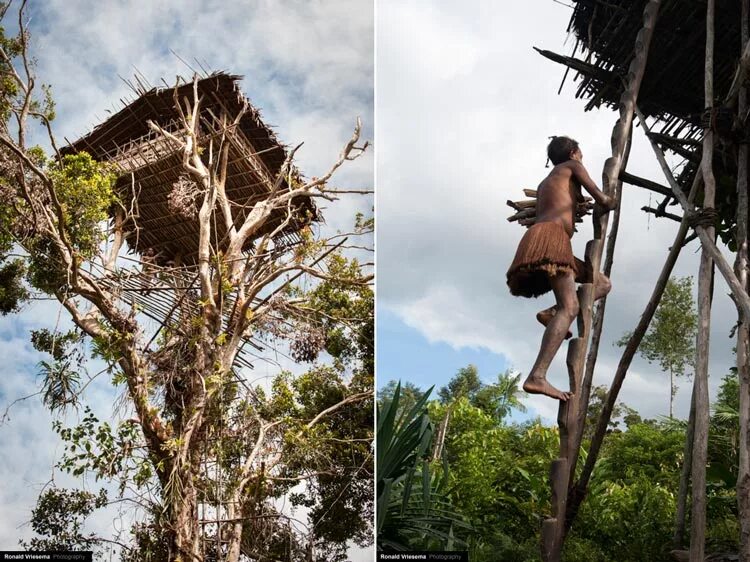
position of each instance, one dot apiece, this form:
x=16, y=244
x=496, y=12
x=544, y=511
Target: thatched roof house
x=151, y=164
x=672, y=88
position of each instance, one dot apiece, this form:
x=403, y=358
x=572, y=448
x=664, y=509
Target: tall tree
x=670, y=339
x=208, y=451
x=496, y=399
x=465, y=382
x=499, y=398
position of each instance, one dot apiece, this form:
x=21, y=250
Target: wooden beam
x=660, y=213
x=677, y=146
x=580, y=66
x=644, y=183
x=741, y=74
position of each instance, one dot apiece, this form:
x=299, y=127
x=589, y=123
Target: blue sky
x=405, y=353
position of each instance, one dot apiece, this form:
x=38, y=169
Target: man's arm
x=582, y=177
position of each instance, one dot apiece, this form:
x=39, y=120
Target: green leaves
x=60, y=384
x=401, y=441
x=59, y=518
x=95, y=446
x=84, y=188
x=13, y=293
x=670, y=340
x=413, y=508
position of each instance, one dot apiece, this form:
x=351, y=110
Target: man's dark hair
x=559, y=149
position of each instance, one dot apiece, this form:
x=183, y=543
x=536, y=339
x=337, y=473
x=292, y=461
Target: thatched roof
x=672, y=87
x=672, y=90
x=151, y=165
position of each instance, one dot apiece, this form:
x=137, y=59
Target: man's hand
x=605, y=207
x=610, y=204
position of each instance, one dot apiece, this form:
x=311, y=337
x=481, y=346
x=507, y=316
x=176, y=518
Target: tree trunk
x=682, y=494
x=185, y=537
x=671, y=393
x=700, y=446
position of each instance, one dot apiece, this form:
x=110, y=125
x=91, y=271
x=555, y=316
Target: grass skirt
x=543, y=252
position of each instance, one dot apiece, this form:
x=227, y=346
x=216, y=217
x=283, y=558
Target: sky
x=308, y=65
x=464, y=110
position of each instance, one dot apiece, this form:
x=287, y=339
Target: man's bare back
x=544, y=260
x=560, y=191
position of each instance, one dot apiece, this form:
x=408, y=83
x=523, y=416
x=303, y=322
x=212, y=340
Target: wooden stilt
x=743, y=334
x=700, y=440
x=678, y=539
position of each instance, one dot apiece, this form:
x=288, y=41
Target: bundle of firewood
x=526, y=210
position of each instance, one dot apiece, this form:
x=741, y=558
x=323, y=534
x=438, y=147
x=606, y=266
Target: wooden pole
x=598, y=321
x=563, y=468
x=678, y=539
x=743, y=473
x=700, y=442
x=628, y=354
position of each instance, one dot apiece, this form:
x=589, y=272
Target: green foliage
x=57, y=344
x=344, y=308
x=497, y=399
x=46, y=271
x=644, y=451
x=84, y=188
x=13, y=293
x=61, y=379
x=628, y=522
x=413, y=509
x=498, y=479
x=621, y=413
x=409, y=393
x=59, y=518
x=94, y=446
x=363, y=223
x=500, y=398
x=340, y=501
x=337, y=449
x=60, y=386
x=465, y=383
x=670, y=339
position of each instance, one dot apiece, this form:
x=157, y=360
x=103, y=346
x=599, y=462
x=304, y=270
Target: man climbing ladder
x=544, y=260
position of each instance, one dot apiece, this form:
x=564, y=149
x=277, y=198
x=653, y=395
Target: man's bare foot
x=545, y=316
x=541, y=386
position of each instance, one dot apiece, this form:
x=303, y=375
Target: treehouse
x=150, y=167
x=161, y=225
x=672, y=90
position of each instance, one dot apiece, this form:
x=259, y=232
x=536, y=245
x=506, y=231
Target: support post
x=705, y=277
x=743, y=370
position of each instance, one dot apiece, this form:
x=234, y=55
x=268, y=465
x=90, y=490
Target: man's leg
x=603, y=287
x=564, y=287
x=544, y=317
